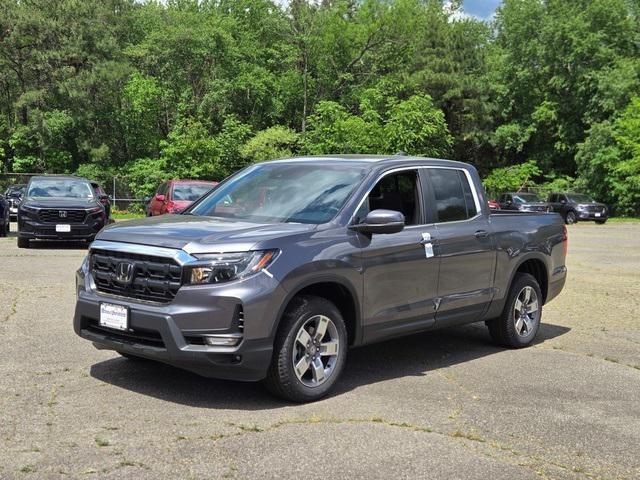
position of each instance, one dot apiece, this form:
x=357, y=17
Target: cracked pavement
x=445, y=404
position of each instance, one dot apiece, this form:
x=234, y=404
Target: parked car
x=14, y=196
x=59, y=208
x=577, y=206
x=174, y=196
x=524, y=202
x=103, y=198
x=274, y=274
x=4, y=216
x=493, y=205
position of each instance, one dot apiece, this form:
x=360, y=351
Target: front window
x=396, y=191
x=580, y=198
x=526, y=198
x=281, y=192
x=190, y=191
x=59, y=188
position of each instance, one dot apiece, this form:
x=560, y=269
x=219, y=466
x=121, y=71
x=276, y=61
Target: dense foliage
x=549, y=91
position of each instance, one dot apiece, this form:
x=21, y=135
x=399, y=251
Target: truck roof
x=373, y=160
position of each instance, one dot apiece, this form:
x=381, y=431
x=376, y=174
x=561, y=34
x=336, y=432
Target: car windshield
x=59, y=188
x=190, y=191
x=526, y=198
x=281, y=192
x=580, y=198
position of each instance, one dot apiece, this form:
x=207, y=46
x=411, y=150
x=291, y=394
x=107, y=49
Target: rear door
x=465, y=246
x=400, y=270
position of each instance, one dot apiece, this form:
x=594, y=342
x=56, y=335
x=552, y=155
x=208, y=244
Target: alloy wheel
x=316, y=350
x=525, y=311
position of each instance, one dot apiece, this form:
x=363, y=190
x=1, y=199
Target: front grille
x=595, y=208
x=138, y=336
x=50, y=215
x=155, y=279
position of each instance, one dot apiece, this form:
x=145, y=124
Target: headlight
x=226, y=267
x=96, y=210
x=581, y=207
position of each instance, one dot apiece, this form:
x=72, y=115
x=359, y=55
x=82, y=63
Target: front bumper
x=592, y=216
x=34, y=230
x=170, y=332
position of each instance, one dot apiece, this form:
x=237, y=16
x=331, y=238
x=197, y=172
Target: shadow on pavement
x=414, y=355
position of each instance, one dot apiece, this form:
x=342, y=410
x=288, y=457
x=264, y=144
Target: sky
x=480, y=8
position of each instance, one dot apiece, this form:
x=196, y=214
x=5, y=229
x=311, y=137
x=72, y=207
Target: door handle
x=481, y=234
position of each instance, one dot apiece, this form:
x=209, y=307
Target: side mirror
x=160, y=197
x=381, y=221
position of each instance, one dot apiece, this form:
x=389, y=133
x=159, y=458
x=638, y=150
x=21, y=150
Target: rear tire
x=4, y=229
x=519, y=322
x=310, y=350
x=570, y=218
x=23, y=242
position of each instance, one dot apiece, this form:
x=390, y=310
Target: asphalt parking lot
x=440, y=405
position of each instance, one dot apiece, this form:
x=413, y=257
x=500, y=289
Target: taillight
x=565, y=239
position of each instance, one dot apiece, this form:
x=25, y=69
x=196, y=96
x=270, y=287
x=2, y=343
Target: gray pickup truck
x=276, y=272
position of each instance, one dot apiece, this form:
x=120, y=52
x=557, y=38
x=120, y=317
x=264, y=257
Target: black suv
x=578, y=206
x=14, y=196
x=59, y=208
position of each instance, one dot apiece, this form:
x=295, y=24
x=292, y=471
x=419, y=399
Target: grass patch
x=624, y=220
x=124, y=215
x=101, y=442
x=28, y=469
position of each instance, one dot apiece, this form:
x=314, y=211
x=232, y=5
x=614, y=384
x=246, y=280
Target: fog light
x=223, y=340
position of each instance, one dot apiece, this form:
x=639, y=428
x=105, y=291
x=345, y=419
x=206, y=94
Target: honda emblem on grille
x=124, y=273
x=62, y=213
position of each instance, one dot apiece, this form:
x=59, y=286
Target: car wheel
x=310, y=350
x=3, y=230
x=601, y=222
x=23, y=242
x=570, y=218
x=520, y=320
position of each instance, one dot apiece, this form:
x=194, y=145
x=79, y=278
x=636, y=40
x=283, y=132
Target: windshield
x=526, y=198
x=59, y=188
x=580, y=198
x=280, y=192
x=190, y=191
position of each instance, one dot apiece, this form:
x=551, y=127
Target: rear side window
x=453, y=196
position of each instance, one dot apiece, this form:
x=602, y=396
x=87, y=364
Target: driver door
x=400, y=270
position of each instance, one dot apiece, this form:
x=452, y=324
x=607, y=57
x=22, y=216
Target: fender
x=497, y=304
x=295, y=289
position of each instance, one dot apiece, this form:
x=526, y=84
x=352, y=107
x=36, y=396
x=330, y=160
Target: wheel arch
x=536, y=267
x=337, y=290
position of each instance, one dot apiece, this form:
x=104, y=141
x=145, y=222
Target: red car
x=173, y=196
x=493, y=205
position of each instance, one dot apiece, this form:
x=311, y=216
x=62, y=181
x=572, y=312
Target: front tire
x=519, y=322
x=570, y=218
x=23, y=242
x=310, y=350
x=601, y=222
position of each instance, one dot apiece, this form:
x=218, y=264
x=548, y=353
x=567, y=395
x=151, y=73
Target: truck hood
x=61, y=203
x=196, y=234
